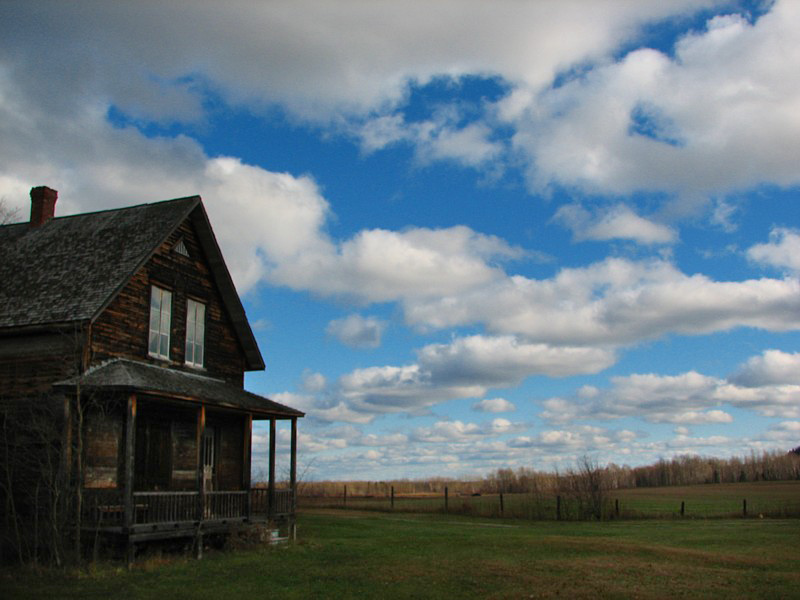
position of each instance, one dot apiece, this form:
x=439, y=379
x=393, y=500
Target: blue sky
x=468, y=235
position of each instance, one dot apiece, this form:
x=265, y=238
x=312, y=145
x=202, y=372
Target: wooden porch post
x=293, y=465
x=130, y=449
x=201, y=495
x=247, y=451
x=293, y=480
x=271, y=488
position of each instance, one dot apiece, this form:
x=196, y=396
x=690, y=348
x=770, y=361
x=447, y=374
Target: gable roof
x=123, y=375
x=70, y=268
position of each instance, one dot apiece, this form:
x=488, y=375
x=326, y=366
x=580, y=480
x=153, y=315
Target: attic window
x=180, y=248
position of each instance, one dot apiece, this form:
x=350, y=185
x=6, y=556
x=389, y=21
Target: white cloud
x=718, y=116
x=357, y=331
x=614, y=302
x=772, y=367
x=782, y=251
x=313, y=382
x=767, y=384
x=494, y=405
x=618, y=222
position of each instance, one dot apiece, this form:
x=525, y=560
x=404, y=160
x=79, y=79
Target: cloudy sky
x=468, y=235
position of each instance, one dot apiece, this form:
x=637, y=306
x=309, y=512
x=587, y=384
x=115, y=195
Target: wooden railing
x=106, y=508
x=226, y=505
x=259, y=498
x=165, y=507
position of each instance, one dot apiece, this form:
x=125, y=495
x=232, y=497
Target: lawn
x=377, y=555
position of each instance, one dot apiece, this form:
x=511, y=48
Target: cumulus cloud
x=717, y=116
x=458, y=431
x=619, y=222
x=494, y=405
x=767, y=384
x=357, y=331
x=612, y=302
x=782, y=251
x=772, y=367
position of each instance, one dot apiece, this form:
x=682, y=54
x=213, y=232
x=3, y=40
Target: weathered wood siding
x=122, y=329
x=103, y=447
x=30, y=364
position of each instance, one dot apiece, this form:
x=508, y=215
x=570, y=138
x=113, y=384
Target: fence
x=767, y=499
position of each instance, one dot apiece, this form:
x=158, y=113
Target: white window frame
x=195, y=333
x=160, y=322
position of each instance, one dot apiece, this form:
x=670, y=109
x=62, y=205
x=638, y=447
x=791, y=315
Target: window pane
x=153, y=345
x=164, y=349
x=160, y=309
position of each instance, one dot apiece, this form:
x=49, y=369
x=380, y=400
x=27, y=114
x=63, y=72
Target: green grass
x=378, y=555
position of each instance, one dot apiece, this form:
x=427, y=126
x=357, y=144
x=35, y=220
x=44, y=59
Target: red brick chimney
x=43, y=205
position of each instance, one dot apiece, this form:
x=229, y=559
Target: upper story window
x=195, y=333
x=160, y=317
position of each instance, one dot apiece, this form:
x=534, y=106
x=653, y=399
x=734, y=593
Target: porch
x=165, y=514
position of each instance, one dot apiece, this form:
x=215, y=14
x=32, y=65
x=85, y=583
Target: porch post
x=247, y=450
x=201, y=496
x=293, y=466
x=293, y=481
x=271, y=489
x=130, y=448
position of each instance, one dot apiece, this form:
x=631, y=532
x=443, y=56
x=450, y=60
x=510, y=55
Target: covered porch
x=169, y=454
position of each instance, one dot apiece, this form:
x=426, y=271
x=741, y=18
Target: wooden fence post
x=616, y=507
x=344, y=497
x=392, y=504
x=744, y=507
x=445, y=499
x=501, y=503
x=558, y=508
x=683, y=507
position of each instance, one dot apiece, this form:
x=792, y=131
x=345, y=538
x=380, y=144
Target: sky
x=468, y=235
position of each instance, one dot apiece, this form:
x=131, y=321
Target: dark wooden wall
x=122, y=329
x=30, y=364
x=171, y=432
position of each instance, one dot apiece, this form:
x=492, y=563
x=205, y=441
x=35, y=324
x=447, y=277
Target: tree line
x=680, y=470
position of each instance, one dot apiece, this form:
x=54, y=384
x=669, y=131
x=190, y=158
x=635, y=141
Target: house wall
x=29, y=364
x=103, y=444
x=104, y=447
x=123, y=327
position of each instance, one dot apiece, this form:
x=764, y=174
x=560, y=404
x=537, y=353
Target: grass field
x=378, y=555
x=725, y=500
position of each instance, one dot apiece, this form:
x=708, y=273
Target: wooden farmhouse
x=126, y=326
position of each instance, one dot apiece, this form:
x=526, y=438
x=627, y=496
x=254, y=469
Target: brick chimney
x=43, y=205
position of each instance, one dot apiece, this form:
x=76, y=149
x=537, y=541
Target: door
x=209, y=458
x=153, y=458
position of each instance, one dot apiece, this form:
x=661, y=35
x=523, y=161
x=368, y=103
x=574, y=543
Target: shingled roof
x=69, y=268
x=124, y=375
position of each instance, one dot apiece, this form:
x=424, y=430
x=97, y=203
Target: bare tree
x=7, y=214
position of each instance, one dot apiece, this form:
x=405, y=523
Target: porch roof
x=123, y=375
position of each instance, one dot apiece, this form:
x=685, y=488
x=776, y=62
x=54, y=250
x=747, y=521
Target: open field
x=378, y=555
x=722, y=500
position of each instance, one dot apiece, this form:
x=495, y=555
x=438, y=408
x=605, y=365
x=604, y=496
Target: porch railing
x=106, y=508
x=259, y=498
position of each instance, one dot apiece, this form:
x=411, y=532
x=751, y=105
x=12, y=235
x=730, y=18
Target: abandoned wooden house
x=128, y=321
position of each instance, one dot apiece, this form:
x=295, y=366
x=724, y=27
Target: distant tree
x=7, y=214
x=795, y=451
